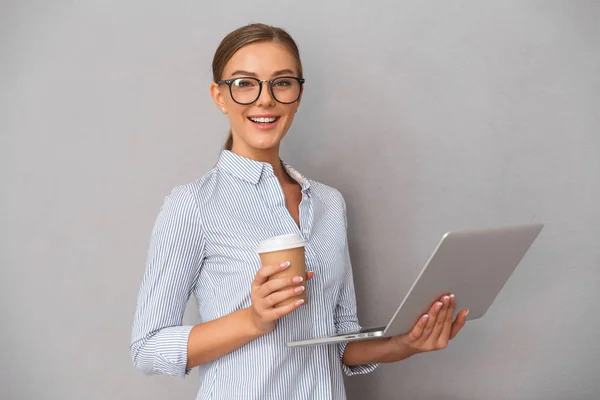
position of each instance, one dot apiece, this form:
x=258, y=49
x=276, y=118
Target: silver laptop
x=473, y=264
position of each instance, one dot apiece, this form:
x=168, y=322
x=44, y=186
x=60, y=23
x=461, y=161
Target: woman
x=204, y=243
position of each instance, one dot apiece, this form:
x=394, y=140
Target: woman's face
x=262, y=124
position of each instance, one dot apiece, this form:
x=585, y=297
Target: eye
x=283, y=83
x=244, y=83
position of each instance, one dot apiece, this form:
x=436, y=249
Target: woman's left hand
x=435, y=329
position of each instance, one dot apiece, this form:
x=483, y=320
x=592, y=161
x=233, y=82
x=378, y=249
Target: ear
x=218, y=97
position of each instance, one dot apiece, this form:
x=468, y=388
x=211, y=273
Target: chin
x=264, y=144
x=264, y=140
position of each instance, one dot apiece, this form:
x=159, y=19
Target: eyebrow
x=283, y=72
x=244, y=73
x=276, y=73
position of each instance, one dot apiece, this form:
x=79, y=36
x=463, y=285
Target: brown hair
x=253, y=33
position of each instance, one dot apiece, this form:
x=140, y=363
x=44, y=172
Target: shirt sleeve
x=175, y=254
x=345, y=316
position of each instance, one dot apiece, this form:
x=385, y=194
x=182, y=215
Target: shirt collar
x=252, y=170
x=297, y=176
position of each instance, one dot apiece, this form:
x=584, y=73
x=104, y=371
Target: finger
x=417, y=331
x=441, y=319
x=460, y=321
x=310, y=275
x=277, y=284
x=433, y=314
x=445, y=334
x=278, y=312
x=266, y=271
x=278, y=297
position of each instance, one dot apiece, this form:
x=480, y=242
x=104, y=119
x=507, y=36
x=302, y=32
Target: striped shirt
x=204, y=244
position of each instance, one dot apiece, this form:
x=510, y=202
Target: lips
x=264, y=122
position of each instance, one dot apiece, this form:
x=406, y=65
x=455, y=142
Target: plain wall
x=427, y=115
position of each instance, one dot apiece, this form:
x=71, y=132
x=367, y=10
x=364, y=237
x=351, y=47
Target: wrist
x=252, y=328
x=401, y=348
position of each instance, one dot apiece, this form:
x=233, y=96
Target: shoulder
x=333, y=205
x=201, y=188
x=329, y=195
x=186, y=198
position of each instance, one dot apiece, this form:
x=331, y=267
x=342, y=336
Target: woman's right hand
x=266, y=293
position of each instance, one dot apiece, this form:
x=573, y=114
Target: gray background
x=427, y=115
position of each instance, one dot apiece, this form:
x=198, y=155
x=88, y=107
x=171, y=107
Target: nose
x=266, y=98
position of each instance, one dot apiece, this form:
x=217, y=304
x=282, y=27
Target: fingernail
x=297, y=279
x=452, y=296
x=285, y=264
x=439, y=305
x=426, y=316
x=299, y=302
x=467, y=313
x=299, y=289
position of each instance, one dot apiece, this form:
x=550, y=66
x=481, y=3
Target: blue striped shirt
x=204, y=244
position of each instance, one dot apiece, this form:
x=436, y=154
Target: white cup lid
x=283, y=242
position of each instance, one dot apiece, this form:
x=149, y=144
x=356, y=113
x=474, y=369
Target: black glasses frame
x=228, y=82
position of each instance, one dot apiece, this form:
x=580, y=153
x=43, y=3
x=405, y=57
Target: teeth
x=263, y=120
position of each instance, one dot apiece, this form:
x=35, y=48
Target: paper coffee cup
x=278, y=249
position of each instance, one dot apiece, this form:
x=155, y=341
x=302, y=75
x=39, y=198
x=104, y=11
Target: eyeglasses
x=284, y=89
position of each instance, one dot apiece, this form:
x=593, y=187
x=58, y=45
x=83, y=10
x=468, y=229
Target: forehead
x=261, y=58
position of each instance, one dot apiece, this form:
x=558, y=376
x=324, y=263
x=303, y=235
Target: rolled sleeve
x=345, y=316
x=346, y=321
x=356, y=369
x=159, y=341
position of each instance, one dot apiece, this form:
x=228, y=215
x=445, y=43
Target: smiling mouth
x=264, y=120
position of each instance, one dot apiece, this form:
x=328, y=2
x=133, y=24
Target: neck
x=269, y=156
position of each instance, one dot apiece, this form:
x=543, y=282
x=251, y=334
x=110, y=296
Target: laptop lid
x=472, y=264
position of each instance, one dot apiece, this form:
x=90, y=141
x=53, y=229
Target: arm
x=213, y=339
x=160, y=344
x=176, y=250
x=382, y=350
x=432, y=332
